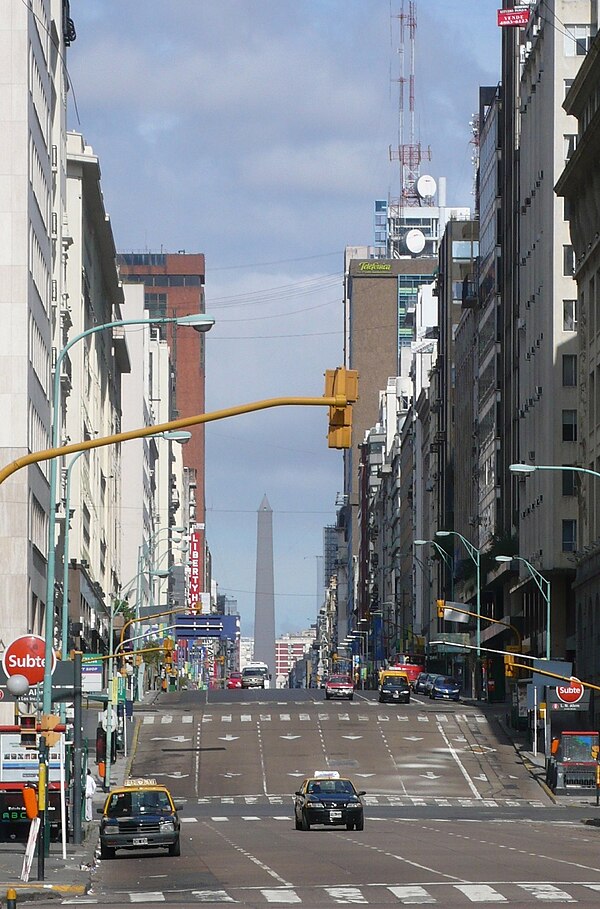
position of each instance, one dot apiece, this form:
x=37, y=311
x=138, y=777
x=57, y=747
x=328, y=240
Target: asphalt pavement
x=72, y=876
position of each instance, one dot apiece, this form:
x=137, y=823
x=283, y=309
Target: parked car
x=234, y=680
x=420, y=683
x=394, y=688
x=446, y=688
x=326, y=798
x=339, y=686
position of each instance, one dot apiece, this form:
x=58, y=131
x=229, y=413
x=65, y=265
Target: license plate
x=335, y=814
x=140, y=841
x=446, y=695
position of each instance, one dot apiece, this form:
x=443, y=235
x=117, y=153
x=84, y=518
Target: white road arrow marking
x=228, y=738
x=481, y=777
x=230, y=775
x=290, y=737
x=430, y=776
x=364, y=774
x=413, y=738
x=170, y=738
x=352, y=737
x=175, y=776
x=296, y=773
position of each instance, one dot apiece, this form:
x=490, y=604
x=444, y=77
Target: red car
x=234, y=680
x=339, y=686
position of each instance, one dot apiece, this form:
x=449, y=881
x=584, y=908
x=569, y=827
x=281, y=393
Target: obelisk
x=264, y=601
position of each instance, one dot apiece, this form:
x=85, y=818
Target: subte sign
x=26, y=656
x=570, y=693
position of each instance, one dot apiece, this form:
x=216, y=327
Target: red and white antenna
x=408, y=153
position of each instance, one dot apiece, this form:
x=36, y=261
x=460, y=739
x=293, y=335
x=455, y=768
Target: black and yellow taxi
x=327, y=798
x=140, y=814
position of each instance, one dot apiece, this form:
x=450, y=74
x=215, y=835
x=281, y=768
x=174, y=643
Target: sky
x=258, y=133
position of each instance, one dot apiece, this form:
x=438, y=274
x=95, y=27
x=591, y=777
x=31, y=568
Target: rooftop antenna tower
x=408, y=153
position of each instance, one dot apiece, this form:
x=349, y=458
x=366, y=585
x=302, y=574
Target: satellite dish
x=415, y=241
x=426, y=186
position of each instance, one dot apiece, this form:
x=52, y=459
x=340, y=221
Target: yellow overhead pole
x=335, y=401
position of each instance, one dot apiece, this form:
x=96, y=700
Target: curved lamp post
x=449, y=561
x=200, y=322
x=476, y=557
x=529, y=468
x=544, y=588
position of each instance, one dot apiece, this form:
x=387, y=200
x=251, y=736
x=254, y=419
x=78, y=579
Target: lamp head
x=442, y=533
x=522, y=468
x=176, y=435
x=198, y=321
x=420, y=542
x=503, y=558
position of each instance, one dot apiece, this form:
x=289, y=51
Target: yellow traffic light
x=510, y=670
x=441, y=605
x=343, y=384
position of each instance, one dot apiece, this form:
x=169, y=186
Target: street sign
x=27, y=656
x=570, y=692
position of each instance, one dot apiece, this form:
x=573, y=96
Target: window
x=569, y=535
x=568, y=84
x=569, y=482
x=568, y=261
x=569, y=370
x=569, y=425
x=569, y=144
x=578, y=39
x=569, y=315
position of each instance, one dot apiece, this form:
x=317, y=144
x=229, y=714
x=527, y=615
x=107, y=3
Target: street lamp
x=200, y=322
x=476, y=557
x=447, y=559
x=529, y=468
x=544, y=588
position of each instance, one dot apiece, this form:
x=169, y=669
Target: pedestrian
x=90, y=788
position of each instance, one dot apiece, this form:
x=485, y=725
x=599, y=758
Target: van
x=256, y=675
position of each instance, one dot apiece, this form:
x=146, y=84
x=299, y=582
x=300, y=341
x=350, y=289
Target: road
x=452, y=816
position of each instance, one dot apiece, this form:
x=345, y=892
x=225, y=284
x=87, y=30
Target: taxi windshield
x=330, y=786
x=142, y=802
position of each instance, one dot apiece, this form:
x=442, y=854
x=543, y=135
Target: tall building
x=264, y=602
x=174, y=286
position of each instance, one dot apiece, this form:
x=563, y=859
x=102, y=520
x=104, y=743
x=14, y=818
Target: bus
x=411, y=663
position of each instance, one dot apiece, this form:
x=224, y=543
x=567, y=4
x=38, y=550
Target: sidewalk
x=70, y=876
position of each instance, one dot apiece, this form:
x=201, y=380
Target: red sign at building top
x=517, y=16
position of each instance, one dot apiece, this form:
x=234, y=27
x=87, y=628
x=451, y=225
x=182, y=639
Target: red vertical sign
x=196, y=578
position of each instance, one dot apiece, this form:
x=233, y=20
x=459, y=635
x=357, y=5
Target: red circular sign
x=26, y=656
x=571, y=692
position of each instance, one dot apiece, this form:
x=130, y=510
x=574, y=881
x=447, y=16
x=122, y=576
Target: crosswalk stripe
x=156, y=896
x=346, y=894
x=148, y=720
x=284, y=717
x=411, y=895
x=281, y=896
x=187, y=719
x=212, y=896
x=547, y=892
x=480, y=893
x=167, y=718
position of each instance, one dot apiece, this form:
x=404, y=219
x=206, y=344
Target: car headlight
x=167, y=827
x=314, y=804
x=111, y=828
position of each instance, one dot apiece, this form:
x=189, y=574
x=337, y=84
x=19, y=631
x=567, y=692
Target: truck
x=256, y=675
x=573, y=762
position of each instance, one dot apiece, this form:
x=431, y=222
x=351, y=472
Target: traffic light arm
x=555, y=675
x=49, y=453
x=485, y=618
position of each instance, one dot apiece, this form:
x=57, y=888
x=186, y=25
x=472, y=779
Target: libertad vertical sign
x=196, y=576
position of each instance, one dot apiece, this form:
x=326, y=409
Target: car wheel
x=297, y=822
x=305, y=825
x=106, y=852
x=381, y=700
x=326, y=697
x=349, y=826
x=351, y=698
x=360, y=825
x=175, y=848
